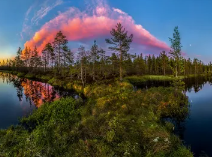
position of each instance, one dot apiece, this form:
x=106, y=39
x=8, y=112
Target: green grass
x=110, y=123
x=46, y=77
x=159, y=77
x=11, y=72
x=21, y=74
x=30, y=76
x=139, y=80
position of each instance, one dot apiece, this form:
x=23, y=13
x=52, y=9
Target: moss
x=78, y=88
x=181, y=151
x=14, y=72
x=169, y=126
x=139, y=80
x=69, y=86
x=56, y=82
x=45, y=77
x=21, y=74
x=30, y=76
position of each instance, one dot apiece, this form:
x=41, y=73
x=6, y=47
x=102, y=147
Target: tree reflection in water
x=35, y=92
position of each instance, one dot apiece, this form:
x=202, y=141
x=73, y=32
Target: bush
x=29, y=76
x=47, y=132
x=20, y=74
x=114, y=121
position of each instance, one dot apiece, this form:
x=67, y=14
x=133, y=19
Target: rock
x=156, y=139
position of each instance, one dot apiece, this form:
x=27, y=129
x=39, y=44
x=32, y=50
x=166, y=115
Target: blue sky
x=20, y=20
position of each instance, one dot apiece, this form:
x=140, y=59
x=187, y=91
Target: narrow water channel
x=196, y=130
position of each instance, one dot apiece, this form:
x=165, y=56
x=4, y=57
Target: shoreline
x=117, y=96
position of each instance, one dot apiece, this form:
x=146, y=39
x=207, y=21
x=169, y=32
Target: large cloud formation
x=96, y=23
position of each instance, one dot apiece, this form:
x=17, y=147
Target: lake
x=196, y=130
x=20, y=96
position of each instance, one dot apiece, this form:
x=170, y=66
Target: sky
x=35, y=22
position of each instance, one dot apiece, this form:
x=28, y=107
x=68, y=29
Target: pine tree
x=18, y=61
x=26, y=56
x=114, y=62
x=82, y=58
x=175, y=51
x=103, y=61
x=59, y=43
x=195, y=63
x=94, y=55
x=164, y=59
x=149, y=63
x=120, y=42
x=36, y=58
x=69, y=60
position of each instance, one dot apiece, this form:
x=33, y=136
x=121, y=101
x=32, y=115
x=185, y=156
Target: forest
x=90, y=66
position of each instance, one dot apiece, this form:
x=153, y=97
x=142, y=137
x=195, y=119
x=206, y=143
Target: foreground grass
x=114, y=121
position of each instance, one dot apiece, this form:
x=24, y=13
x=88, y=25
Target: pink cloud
x=81, y=26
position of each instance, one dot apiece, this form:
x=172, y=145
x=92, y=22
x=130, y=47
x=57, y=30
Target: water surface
x=20, y=96
x=196, y=130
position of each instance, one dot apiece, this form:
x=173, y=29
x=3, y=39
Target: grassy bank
x=139, y=80
x=109, y=123
x=77, y=85
x=65, y=83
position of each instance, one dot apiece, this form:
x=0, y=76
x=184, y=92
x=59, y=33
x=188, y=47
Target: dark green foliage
x=48, y=56
x=49, y=131
x=30, y=76
x=109, y=123
x=20, y=74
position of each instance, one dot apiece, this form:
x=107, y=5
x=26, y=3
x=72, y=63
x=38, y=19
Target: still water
x=196, y=130
x=19, y=97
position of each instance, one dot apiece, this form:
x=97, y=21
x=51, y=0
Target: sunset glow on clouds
x=95, y=23
x=35, y=22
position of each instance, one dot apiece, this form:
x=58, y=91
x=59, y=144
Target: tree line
x=92, y=65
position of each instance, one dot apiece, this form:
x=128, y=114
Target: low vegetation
x=140, y=80
x=109, y=123
x=115, y=119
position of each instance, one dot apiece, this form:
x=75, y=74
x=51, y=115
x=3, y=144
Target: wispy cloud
x=26, y=26
x=119, y=11
x=40, y=11
x=43, y=11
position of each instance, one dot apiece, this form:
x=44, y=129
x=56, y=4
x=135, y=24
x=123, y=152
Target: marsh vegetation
x=113, y=115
